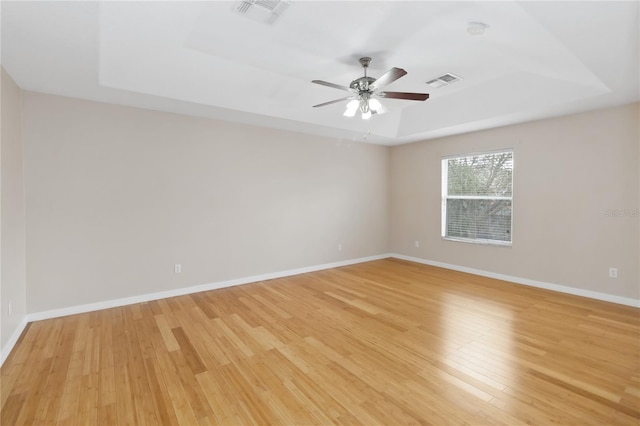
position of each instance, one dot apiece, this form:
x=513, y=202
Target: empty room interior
x=320, y=212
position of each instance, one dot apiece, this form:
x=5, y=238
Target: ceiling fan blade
x=389, y=77
x=335, y=101
x=404, y=95
x=335, y=86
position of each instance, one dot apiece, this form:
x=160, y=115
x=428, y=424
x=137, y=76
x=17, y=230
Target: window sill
x=479, y=241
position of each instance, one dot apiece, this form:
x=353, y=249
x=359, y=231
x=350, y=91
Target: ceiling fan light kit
x=367, y=89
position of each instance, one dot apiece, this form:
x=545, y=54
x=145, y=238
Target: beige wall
x=576, y=195
x=116, y=196
x=12, y=214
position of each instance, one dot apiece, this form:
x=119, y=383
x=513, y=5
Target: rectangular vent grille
x=265, y=11
x=268, y=4
x=243, y=7
x=443, y=80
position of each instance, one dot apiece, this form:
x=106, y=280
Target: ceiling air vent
x=443, y=80
x=265, y=11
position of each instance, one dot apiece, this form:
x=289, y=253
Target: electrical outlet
x=613, y=272
x=10, y=309
x=417, y=243
x=339, y=246
x=177, y=268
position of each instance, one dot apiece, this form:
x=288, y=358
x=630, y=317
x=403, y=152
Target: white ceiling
x=536, y=60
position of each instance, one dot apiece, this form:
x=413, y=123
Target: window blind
x=477, y=197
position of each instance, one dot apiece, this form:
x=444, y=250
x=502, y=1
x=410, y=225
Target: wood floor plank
x=384, y=342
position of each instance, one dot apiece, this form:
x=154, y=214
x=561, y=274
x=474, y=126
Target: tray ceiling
x=534, y=60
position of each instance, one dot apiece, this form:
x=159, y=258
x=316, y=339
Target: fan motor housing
x=362, y=84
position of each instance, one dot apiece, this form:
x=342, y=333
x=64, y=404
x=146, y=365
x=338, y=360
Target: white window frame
x=446, y=196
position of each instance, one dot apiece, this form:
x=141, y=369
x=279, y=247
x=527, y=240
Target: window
x=477, y=197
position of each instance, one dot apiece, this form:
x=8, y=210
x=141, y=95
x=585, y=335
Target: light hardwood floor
x=386, y=342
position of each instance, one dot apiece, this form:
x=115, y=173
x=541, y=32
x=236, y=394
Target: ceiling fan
x=366, y=89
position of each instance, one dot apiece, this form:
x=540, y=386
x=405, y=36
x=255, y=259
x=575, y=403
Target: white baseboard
x=71, y=310
x=6, y=350
x=526, y=281
x=79, y=309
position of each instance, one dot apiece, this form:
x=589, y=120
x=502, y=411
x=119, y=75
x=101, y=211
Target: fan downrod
x=361, y=85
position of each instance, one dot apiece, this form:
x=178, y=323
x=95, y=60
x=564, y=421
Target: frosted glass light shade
x=374, y=104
